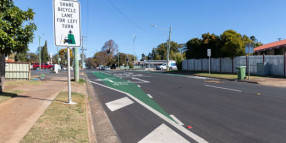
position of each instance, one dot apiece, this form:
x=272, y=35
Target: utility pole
x=58, y=56
x=76, y=65
x=82, y=52
x=134, y=37
x=168, y=49
x=40, y=53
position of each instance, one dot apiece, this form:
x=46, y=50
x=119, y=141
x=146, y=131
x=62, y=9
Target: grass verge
x=22, y=83
x=61, y=122
x=8, y=94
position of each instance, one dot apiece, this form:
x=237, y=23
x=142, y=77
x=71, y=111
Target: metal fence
x=18, y=71
x=276, y=63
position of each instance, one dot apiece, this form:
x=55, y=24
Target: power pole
x=168, y=49
x=134, y=37
x=40, y=53
x=82, y=52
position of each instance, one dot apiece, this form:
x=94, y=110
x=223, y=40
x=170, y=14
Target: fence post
x=232, y=65
x=187, y=65
x=219, y=64
x=284, y=64
x=263, y=57
x=246, y=63
x=194, y=64
x=202, y=69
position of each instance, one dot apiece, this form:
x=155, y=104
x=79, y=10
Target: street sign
x=249, y=48
x=209, y=52
x=67, y=30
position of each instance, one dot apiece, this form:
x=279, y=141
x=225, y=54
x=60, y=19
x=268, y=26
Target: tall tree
x=16, y=32
x=109, y=47
x=21, y=57
x=33, y=58
x=161, y=51
x=44, y=53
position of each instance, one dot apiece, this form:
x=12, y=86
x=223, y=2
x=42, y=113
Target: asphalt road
x=141, y=107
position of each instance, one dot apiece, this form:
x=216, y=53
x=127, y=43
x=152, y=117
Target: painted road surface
x=144, y=106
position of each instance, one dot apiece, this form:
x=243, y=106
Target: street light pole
x=134, y=37
x=168, y=49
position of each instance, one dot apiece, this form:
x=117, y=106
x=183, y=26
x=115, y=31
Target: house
x=275, y=48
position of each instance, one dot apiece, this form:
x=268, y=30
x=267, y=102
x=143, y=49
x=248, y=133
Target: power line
x=126, y=17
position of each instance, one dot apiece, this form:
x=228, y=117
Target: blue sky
x=102, y=21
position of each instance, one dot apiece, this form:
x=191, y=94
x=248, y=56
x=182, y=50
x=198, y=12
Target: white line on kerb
x=177, y=120
x=181, y=128
x=224, y=88
x=150, y=96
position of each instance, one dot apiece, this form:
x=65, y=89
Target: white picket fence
x=228, y=65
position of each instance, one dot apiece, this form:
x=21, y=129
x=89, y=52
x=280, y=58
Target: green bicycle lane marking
x=132, y=89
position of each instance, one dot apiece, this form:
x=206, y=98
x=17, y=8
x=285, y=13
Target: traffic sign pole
x=67, y=31
x=69, y=78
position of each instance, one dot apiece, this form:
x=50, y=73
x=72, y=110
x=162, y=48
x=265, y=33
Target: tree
x=161, y=51
x=90, y=63
x=21, y=57
x=44, y=53
x=101, y=58
x=233, y=44
x=109, y=47
x=16, y=32
x=33, y=58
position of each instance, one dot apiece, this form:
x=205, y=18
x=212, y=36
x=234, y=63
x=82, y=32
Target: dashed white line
x=171, y=122
x=138, y=85
x=150, y=96
x=177, y=120
x=140, y=80
x=224, y=88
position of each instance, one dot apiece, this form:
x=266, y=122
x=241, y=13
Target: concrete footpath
x=18, y=115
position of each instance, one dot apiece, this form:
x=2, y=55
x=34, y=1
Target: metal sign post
x=67, y=30
x=209, y=55
x=249, y=49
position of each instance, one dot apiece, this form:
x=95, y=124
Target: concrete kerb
x=100, y=123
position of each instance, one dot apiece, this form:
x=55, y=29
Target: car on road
x=106, y=68
x=172, y=66
x=43, y=66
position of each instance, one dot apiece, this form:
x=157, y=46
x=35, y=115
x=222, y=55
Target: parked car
x=106, y=68
x=43, y=66
x=172, y=66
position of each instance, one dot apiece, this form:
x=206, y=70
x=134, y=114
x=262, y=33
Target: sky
x=103, y=20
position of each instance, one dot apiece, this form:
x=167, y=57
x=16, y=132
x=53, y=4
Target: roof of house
x=270, y=45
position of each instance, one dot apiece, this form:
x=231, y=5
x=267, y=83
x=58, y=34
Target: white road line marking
x=119, y=103
x=174, y=124
x=141, y=80
x=163, y=134
x=150, y=96
x=224, y=88
x=138, y=85
x=177, y=120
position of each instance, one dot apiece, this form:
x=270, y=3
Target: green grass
x=22, y=83
x=61, y=122
x=8, y=94
x=80, y=82
x=131, y=88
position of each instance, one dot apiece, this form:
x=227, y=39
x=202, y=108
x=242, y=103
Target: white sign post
x=67, y=30
x=209, y=55
x=249, y=49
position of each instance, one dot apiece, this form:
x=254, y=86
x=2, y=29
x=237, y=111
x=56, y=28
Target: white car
x=172, y=66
